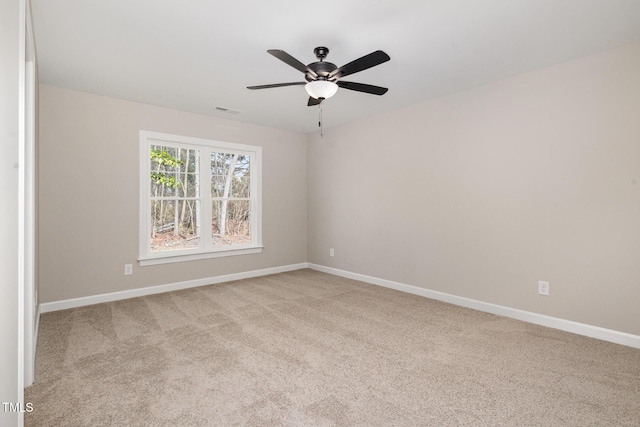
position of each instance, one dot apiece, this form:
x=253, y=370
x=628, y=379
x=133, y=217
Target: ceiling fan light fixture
x=321, y=89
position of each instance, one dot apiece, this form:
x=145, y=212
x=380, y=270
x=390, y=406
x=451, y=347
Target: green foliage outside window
x=163, y=158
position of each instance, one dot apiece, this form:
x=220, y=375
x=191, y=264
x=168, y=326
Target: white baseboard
x=610, y=335
x=132, y=293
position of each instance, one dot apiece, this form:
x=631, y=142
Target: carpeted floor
x=310, y=349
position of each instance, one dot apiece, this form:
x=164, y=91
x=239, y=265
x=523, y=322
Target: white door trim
x=27, y=189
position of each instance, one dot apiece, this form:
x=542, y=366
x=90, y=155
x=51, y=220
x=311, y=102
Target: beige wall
x=88, y=186
x=482, y=193
x=478, y=194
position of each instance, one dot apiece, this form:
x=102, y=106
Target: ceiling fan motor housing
x=322, y=70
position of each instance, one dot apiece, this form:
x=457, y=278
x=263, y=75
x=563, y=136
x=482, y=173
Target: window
x=198, y=198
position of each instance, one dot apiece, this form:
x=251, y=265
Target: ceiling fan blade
x=360, y=64
x=361, y=87
x=276, y=85
x=313, y=101
x=291, y=61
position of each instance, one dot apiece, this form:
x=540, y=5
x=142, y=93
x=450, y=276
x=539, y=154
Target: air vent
x=227, y=110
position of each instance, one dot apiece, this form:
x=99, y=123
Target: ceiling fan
x=323, y=78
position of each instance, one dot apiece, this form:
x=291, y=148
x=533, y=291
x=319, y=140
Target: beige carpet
x=310, y=349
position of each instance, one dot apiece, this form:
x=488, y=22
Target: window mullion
x=205, y=197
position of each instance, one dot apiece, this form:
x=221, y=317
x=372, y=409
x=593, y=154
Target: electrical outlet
x=543, y=288
x=331, y=252
x=128, y=269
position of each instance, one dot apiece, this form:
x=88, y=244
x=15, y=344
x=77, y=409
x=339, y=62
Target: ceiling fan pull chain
x=320, y=119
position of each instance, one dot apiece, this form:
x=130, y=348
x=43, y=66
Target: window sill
x=167, y=258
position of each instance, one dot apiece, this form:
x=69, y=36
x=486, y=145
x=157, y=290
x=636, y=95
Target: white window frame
x=206, y=248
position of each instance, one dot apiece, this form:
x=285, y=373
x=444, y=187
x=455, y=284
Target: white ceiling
x=194, y=55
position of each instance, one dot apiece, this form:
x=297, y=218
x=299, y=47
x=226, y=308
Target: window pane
x=217, y=186
x=190, y=172
x=175, y=225
x=240, y=184
x=166, y=184
x=229, y=175
x=190, y=185
x=221, y=165
x=240, y=187
x=174, y=171
x=231, y=225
